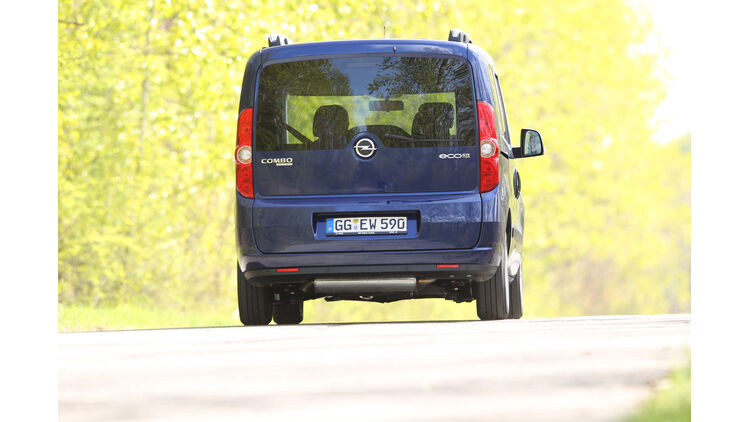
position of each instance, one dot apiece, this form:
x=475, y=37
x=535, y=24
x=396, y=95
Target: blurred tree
x=148, y=96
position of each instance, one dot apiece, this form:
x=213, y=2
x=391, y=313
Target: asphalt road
x=562, y=369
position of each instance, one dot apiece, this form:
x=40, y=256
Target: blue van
x=376, y=170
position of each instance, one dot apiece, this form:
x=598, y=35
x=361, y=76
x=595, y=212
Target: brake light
x=243, y=154
x=287, y=270
x=489, y=173
x=447, y=265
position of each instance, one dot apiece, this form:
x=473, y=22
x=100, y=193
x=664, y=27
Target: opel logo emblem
x=365, y=148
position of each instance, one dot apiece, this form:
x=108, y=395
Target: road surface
x=561, y=369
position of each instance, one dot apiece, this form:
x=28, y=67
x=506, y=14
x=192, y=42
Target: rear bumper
x=475, y=264
x=420, y=272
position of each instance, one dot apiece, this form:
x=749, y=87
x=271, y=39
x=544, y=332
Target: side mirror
x=531, y=144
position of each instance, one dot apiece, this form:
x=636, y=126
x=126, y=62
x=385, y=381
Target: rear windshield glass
x=405, y=101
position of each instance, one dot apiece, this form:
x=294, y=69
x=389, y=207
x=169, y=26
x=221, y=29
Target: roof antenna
x=383, y=31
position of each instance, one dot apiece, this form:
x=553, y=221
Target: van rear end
x=358, y=174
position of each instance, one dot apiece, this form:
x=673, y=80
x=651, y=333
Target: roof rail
x=278, y=39
x=458, y=35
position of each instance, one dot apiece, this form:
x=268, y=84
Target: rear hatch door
x=366, y=136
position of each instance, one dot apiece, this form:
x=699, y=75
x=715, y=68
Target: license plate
x=365, y=225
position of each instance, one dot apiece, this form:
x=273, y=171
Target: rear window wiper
x=408, y=139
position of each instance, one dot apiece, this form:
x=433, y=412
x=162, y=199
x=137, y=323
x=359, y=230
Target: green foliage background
x=148, y=94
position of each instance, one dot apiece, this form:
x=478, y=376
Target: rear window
x=405, y=101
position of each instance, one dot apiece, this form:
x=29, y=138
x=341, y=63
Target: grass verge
x=671, y=403
x=127, y=316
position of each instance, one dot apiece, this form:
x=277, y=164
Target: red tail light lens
x=243, y=154
x=489, y=170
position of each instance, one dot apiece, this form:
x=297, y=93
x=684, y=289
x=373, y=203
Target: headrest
x=330, y=119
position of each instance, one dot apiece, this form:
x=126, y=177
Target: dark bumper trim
x=478, y=272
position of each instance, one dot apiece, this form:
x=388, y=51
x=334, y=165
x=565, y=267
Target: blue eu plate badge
x=329, y=225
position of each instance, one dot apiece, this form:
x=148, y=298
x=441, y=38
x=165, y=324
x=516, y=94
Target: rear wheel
x=516, y=295
x=492, y=295
x=255, y=303
x=288, y=313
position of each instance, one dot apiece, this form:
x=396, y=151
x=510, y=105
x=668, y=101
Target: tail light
x=489, y=175
x=243, y=154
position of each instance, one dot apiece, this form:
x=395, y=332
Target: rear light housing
x=243, y=153
x=489, y=158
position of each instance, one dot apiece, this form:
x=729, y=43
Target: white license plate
x=365, y=225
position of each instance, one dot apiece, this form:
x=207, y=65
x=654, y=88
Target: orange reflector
x=447, y=265
x=287, y=270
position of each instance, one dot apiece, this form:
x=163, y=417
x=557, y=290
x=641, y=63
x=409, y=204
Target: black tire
x=288, y=313
x=255, y=303
x=492, y=295
x=516, y=295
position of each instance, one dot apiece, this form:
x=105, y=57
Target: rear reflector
x=287, y=270
x=243, y=155
x=447, y=265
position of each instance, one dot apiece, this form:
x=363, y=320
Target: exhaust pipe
x=360, y=285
